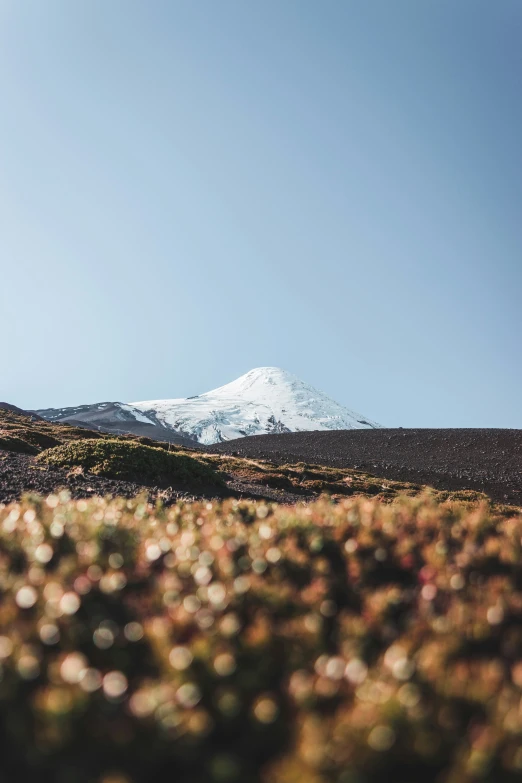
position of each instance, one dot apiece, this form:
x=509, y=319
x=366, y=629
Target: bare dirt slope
x=487, y=460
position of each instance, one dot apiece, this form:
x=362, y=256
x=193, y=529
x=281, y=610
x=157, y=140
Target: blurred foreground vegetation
x=239, y=642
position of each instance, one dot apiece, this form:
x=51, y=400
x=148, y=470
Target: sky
x=189, y=190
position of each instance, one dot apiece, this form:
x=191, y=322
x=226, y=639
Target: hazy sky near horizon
x=189, y=190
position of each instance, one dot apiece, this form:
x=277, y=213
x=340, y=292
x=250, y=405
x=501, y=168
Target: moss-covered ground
x=314, y=480
x=128, y=460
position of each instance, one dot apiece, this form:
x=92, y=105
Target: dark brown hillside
x=486, y=460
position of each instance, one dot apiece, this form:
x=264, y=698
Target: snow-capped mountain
x=265, y=400
x=116, y=417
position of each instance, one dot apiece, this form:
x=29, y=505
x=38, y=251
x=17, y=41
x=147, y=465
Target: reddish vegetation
x=245, y=642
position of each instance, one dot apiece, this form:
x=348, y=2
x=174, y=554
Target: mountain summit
x=263, y=400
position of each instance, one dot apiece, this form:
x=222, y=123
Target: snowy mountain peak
x=256, y=382
x=264, y=400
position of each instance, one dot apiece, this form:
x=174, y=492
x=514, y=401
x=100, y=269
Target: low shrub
x=127, y=460
x=236, y=642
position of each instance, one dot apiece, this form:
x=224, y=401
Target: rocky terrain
x=485, y=460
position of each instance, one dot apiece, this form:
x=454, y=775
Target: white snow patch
x=138, y=415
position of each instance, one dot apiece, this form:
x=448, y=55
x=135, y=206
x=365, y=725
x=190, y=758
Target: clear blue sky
x=190, y=189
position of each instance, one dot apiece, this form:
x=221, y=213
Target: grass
x=34, y=436
x=309, y=480
x=127, y=460
x=236, y=642
x=27, y=436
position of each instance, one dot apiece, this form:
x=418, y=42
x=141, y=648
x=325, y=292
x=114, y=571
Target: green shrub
x=131, y=461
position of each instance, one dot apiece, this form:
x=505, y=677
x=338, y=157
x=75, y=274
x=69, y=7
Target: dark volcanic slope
x=6, y=406
x=21, y=474
x=138, y=428
x=114, y=418
x=487, y=460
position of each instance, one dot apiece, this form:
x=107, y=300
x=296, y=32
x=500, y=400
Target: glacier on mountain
x=264, y=400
